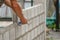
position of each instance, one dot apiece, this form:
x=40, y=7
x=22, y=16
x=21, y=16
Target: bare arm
x=17, y=9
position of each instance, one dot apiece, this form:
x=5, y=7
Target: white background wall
x=4, y=13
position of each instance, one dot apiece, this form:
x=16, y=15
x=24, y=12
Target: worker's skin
x=17, y=9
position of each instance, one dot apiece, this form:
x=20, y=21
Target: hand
x=24, y=21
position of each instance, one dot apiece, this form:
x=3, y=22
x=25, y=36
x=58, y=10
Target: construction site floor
x=53, y=35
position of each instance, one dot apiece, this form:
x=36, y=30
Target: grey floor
x=54, y=35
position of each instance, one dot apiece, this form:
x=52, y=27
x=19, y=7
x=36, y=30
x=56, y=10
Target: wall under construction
x=34, y=30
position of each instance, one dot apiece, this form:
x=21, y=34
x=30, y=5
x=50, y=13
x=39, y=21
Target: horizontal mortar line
x=30, y=30
x=38, y=35
x=8, y=28
x=36, y=25
x=31, y=21
x=35, y=16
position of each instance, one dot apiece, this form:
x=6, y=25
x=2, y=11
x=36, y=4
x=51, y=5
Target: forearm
x=17, y=10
